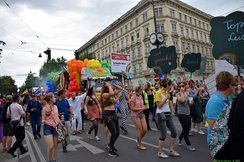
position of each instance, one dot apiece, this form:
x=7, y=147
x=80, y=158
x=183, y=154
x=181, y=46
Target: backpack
x=220, y=134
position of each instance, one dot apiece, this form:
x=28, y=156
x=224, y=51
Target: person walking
x=91, y=106
x=16, y=112
x=148, y=96
x=137, y=107
x=34, y=110
x=164, y=118
x=123, y=106
x=8, y=132
x=183, y=111
x=109, y=114
x=205, y=96
x=50, y=119
x=75, y=104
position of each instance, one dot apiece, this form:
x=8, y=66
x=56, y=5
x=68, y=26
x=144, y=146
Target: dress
x=198, y=107
x=93, y=109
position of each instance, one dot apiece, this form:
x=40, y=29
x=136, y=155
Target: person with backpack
x=224, y=85
x=8, y=132
x=34, y=109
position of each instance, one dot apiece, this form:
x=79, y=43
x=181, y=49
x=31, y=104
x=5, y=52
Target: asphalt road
x=80, y=148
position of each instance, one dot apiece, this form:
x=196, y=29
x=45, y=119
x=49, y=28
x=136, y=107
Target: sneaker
x=89, y=136
x=25, y=151
x=122, y=128
x=39, y=135
x=28, y=124
x=79, y=131
x=179, y=142
x=12, y=153
x=194, y=130
x=4, y=150
x=96, y=138
x=112, y=153
x=201, y=132
x=190, y=147
x=108, y=146
x=126, y=132
x=162, y=155
x=174, y=153
x=35, y=137
x=64, y=149
x=74, y=132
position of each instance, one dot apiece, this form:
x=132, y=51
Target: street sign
x=139, y=80
x=156, y=78
x=184, y=78
x=162, y=76
x=129, y=76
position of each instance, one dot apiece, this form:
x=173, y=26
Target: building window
x=185, y=18
x=195, y=21
x=188, y=47
x=131, y=25
x=162, y=28
x=202, y=50
x=183, y=46
x=102, y=42
x=146, y=30
x=158, y=28
x=138, y=36
x=193, y=48
x=182, y=31
x=134, y=69
x=113, y=48
x=201, y=36
x=117, y=34
x=198, y=49
x=174, y=28
x=105, y=41
x=192, y=34
x=117, y=46
x=196, y=35
x=147, y=47
x=122, y=44
x=207, y=26
x=103, y=54
x=121, y=31
x=108, y=38
x=97, y=45
x=172, y=13
x=190, y=20
x=180, y=18
x=156, y=12
x=139, y=51
x=133, y=53
x=125, y=28
x=187, y=33
x=203, y=25
x=127, y=42
x=132, y=39
x=160, y=10
x=109, y=51
x=106, y=53
x=206, y=49
x=140, y=67
x=209, y=41
x=137, y=22
x=144, y=16
x=205, y=38
x=210, y=51
x=199, y=24
x=98, y=56
x=212, y=66
x=176, y=45
x=112, y=36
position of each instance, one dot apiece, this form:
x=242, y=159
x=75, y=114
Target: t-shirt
x=37, y=114
x=214, y=106
x=160, y=96
x=76, y=104
x=63, y=107
x=138, y=104
x=183, y=107
x=49, y=118
x=16, y=112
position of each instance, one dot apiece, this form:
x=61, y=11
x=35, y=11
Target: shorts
x=7, y=130
x=137, y=117
x=49, y=130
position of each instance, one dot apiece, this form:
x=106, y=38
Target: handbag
x=14, y=123
x=60, y=131
x=162, y=115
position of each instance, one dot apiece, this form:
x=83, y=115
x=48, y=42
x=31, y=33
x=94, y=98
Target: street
x=80, y=148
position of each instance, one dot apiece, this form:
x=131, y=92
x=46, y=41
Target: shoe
x=96, y=138
x=28, y=124
x=12, y=153
x=122, y=128
x=137, y=143
x=112, y=154
x=108, y=146
x=126, y=132
x=35, y=137
x=4, y=150
x=179, y=143
x=162, y=155
x=89, y=136
x=153, y=119
x=174, y=153
x=189, y=134
x=190, y=147
x=79, y=131
x=39, y=135
x=74, y=132
x=64, y=149
x=25, y=151
x=201, y=132
x=194, y=130
x=142, y=148
x=115, y=149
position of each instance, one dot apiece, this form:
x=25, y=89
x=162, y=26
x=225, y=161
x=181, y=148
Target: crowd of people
x=189, y=101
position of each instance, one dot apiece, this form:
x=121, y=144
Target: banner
x=120, y=62
x=223, y=65
x=211, y=84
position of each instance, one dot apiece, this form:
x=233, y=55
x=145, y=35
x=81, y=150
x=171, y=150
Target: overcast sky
x=65, y=25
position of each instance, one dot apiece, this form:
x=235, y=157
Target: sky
x=29, y=27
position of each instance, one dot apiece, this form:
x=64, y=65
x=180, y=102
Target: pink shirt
x=49, y=118
x=16, y=112
x=138, y=104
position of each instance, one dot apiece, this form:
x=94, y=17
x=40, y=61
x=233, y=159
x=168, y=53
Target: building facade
x=182, y=25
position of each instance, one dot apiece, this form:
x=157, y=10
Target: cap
x=15, y=96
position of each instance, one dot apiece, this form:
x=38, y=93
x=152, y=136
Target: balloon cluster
x=73, y=86
x=53, y=76
x=51, y=86
x=104, y=63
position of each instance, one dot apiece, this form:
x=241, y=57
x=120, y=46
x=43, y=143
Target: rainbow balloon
x=229, y=57
x=128, y=67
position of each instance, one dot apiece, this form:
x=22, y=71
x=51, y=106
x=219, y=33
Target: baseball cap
x=15, y=97
x=33, y=95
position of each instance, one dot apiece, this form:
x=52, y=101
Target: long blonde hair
x=48, y=97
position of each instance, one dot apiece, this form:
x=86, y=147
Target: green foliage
x=8, y=85
x=31, y=81
x=84, y=56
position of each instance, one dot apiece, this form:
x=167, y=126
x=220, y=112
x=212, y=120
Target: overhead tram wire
x=232, y=10
x=10, y=34
x=3, y=69
x=25, y=23
x=11, y=52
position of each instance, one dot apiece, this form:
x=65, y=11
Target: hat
x=15, y=97
x=1, y=101
x=33, y=95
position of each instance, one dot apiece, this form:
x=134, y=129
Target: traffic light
x=48, y=53
x=76, y=55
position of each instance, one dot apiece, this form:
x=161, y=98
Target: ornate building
x=183, y=26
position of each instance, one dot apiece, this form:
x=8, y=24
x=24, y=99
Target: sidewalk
x=5, y=156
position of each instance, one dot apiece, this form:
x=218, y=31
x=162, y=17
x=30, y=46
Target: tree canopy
x=84, y=56
x=7, y=85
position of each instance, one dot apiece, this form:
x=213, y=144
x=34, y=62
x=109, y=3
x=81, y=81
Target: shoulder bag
x=14, y=123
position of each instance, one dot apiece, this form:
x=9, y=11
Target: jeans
x=20, y=136
x=36, y=122
x=113, y=126
x=185, y=121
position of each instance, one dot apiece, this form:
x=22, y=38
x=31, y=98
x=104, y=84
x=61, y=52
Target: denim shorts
x=137, y=117
x=49, y=130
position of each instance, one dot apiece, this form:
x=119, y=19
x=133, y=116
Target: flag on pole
x=38, y=91
x=25, y=92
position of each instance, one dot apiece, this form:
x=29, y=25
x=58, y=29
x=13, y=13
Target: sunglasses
x=181, y=86
x=235, y=85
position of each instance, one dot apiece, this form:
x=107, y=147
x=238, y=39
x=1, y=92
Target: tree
x=52, y=66
x=31, y=81
x=84, y=56
x=8, y=85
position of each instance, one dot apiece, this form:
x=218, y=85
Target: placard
x=120, y=62
x=191, y=62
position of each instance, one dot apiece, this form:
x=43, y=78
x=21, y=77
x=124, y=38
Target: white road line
x=154, y=129
x=89, y=147
x=145, y=143
x=39, y=153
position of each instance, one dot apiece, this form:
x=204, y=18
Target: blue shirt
x=37, y=114
x=214, y=106
x=63, y=107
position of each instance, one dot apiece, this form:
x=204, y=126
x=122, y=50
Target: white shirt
x=165, y=107
x=76, y=104
x=16, y=112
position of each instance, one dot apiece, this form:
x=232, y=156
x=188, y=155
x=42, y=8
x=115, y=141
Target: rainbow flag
x=25, y=92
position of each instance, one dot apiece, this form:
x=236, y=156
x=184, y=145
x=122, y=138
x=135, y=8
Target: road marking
x=154, y=129
x=39, y=153
x=145, y=143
